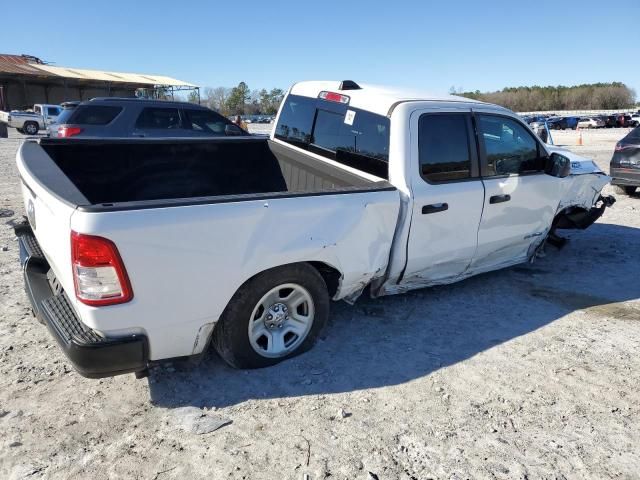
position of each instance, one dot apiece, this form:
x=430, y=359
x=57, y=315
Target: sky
x=469, y=45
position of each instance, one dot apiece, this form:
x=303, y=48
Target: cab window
x=350, y=136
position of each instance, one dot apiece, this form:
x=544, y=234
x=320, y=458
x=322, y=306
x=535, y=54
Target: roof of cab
x=374, y=98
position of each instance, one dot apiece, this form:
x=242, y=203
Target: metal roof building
x=26, y=80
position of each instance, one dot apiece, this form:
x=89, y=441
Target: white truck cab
x=476, y=184
x=140, y=250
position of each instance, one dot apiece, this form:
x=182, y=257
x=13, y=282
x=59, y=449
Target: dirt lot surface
x=526, y=373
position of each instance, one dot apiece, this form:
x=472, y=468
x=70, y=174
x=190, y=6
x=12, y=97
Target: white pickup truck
x=29, y=123
x=139, y=250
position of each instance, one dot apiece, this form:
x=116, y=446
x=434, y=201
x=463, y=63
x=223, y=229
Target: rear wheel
x=276, y=315
x=30, y=128
x=625, y=189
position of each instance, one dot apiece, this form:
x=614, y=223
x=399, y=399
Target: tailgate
x=48, y=214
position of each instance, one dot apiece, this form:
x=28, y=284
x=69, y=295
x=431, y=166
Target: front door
x=520, y=200
x=448, y=197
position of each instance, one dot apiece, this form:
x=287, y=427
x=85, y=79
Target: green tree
x=238, y=99
x=605, y=96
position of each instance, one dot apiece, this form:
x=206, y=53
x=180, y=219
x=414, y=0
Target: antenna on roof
x=349, y=85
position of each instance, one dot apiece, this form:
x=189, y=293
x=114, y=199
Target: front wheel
x=276, y=315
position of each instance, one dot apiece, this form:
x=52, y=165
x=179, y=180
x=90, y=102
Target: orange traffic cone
x=579, y=137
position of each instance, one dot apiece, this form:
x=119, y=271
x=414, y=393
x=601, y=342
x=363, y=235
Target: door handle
x=137, y=134
x=499, y=198
x=435, y=207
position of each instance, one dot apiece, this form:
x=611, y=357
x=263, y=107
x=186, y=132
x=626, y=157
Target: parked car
x=624, y=121
x=140, y=250
x=635, y=120
x=134, y=117
x=29, y=123
x=625, y=163
x=562, y=123
x=590, y=122
x=67, y=109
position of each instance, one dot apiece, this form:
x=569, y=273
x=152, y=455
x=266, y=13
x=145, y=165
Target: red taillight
x=66, y=132
x=98, y=272
x=334, y=97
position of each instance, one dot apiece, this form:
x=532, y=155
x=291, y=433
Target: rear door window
x=206, y=121
x=159, y=118
x=53, y=111
x=350, y=136
x=444, y=148
x=94, y=114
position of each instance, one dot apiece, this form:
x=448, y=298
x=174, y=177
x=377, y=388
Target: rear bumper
x=91, y=354
x=625, y=177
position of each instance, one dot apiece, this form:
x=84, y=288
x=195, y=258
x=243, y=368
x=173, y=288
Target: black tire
x=231, y=336
x=30, y=128
x=625, y=189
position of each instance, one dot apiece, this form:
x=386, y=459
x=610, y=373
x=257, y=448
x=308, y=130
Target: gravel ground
x=526, y=373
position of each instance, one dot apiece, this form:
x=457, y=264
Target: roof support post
x=25, y=93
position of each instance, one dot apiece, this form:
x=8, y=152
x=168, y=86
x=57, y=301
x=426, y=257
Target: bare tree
x=216, y=99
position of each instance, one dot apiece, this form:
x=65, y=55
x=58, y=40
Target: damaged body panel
x=186, y=257
x=581, y=203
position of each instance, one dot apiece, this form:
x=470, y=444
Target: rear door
x=520, y=200
x=448, y=196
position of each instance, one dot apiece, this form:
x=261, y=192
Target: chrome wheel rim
x=281, y=320
x=31, y=129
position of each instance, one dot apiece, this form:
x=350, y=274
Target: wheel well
x=330, y=275
x=563, y=218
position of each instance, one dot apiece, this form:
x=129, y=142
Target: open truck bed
x=193, y=220
x=100, y=175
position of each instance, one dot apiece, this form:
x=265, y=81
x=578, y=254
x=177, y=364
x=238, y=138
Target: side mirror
x=558, y=165
x=233, y=130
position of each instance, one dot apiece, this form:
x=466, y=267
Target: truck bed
x=142, y=173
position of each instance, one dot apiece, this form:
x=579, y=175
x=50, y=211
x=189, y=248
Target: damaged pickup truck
x=139, y=250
